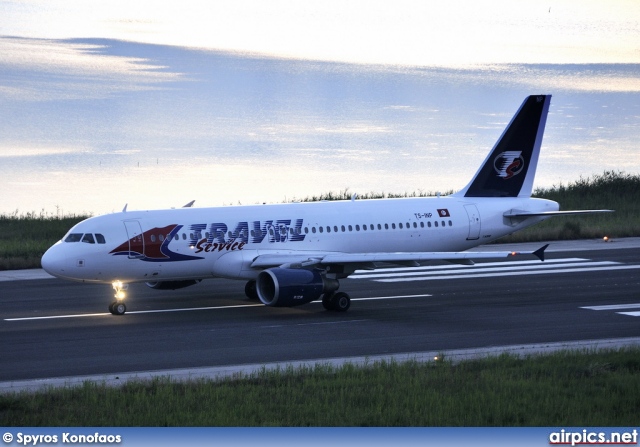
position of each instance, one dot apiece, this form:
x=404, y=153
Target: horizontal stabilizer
x=519, y=213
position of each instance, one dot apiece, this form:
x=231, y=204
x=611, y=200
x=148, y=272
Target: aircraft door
x=474, y=222
x=136, y=239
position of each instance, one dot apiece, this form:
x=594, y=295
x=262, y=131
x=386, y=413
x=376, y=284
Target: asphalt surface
x=587, y=291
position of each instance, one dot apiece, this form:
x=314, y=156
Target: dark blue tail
x=510, y=167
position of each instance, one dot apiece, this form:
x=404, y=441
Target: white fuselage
x=199, y=243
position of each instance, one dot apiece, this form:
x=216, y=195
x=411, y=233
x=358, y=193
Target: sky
x=328, y=95
x=406, y=32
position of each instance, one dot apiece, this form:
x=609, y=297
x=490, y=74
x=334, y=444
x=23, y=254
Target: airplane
x=294, y=253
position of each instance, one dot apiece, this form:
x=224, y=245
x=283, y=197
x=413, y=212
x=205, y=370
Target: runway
x=583, y=291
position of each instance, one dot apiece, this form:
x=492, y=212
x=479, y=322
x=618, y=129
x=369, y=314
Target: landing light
x=606, y=238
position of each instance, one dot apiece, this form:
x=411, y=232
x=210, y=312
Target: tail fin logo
x=508, y=164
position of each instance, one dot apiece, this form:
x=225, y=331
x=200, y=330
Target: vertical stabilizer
x=510, y=167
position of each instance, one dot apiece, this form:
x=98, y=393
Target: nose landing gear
x=118, y=307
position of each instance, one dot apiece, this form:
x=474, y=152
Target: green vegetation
x=24, y=238
x=611, y=190
x=564, y=389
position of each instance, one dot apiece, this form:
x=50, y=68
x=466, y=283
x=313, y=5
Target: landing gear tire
x=117, y=308
x=251, y=291
x=326, y=301
x=341, y=302
x=337, y=302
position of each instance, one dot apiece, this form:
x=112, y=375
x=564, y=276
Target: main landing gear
x=337, y=301
x=118, y=307
x=334, y=301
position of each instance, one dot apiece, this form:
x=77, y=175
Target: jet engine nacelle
x=281, y=287
x=172, y=285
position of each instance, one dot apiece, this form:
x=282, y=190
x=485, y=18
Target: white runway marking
x=617, y=307
x=613, y=307
x=525, y=273
x=54, y=317
x=190, y=309
x=490, y=270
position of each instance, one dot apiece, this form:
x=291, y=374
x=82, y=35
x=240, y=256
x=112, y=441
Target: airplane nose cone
x=51, y=261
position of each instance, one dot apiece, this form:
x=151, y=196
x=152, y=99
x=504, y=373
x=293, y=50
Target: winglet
x=539, y=253
x=189, y=205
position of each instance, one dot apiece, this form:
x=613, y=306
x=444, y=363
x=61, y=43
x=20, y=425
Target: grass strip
x=562, y=389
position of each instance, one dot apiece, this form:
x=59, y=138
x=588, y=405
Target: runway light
x=606, y=238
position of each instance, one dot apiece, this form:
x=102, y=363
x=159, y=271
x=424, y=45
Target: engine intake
x=279, y=287
x=172, y=285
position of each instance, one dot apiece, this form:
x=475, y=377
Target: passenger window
x=421, y=224
x=415, y=225
x=100, y=239
x=443, y=223
x=153, y=238
x=364, y=228
x=429, y=224
x=357, y=227
x=400, y=225
x=342, y=228
x=436, y=223
x=328, y=229
x=450, y=223
x=350, y=228
x=74, y=237
x=88, y=238
x=335, y=228
x=306, y=230
x=161, y=238
x=386, y=226
x=313, y=229
x=321, y=230
x=393, y=226
x=371, y=227
x=184, y=236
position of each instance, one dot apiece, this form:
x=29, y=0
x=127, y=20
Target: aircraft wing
x=302, y=260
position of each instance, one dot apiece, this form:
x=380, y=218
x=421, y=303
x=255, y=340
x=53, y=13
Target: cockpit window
x=100, y=239
x=74, y=237
x=88, y=238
